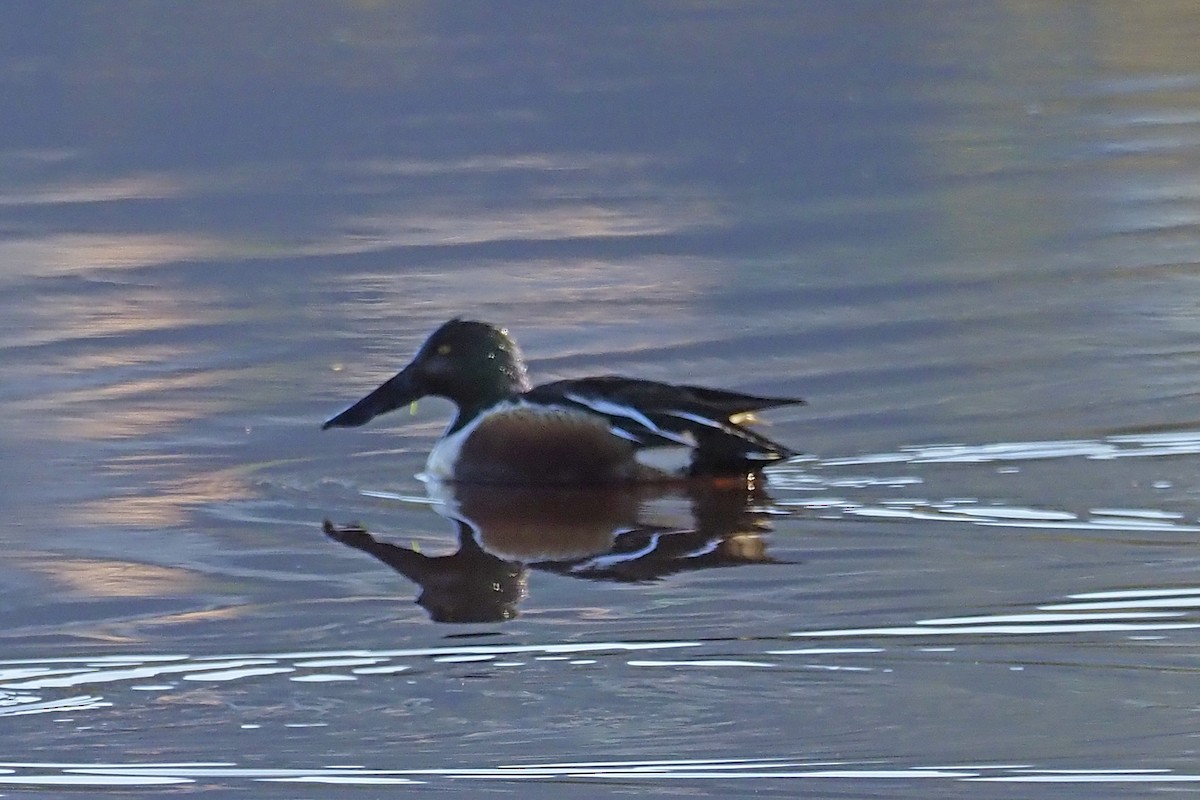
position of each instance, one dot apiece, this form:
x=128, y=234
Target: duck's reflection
x=601, y=534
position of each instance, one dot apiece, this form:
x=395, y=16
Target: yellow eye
x=443, y=350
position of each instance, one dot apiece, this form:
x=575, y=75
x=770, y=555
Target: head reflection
x=608, y=534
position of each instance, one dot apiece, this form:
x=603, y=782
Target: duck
x=601, y=430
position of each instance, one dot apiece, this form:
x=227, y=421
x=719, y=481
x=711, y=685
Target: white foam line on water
x=411, y=499
x=849, y=773
x=701, y=662
x=825, y=651
x=1031, y=451
x=99, y=775
x=290, y=656
x=881, y=512
x=79, y=703
x=347, y=780
x=81, y=780
x=977, y=767
x=636, y=768
x=1117, y=777
x=1147, y=452
x=997, y=629
x=1124, y=446
x=1182, y=437
x=1170, y=602
x=236, y=674
x=338, y=662
x=817, y=503
x=853, y=461
x=1138, y=513
x=87, y=775
x=497, y=649
x=114, y=664
x=35, y=672
x=651, y=769
x=707, y=771
x=1135, y=771
x=669, y=762
x=135, y=765
x=865, y=481
x=1009, y=517
x=29, y=676
x=1015, y=512
x=1131, y=593
x=386, y=670
x=139, y=673
x=215, y=772
x=1034, y=617
x=1096, y=525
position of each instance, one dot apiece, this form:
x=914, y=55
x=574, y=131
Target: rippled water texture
x=967, y=234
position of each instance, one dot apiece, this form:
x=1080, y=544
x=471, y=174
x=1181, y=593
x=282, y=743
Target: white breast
x=444, y=454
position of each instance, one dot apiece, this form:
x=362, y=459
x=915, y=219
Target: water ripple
x=1136, y=612
x=81, y=774
x=806, y=484
x=1118, y=446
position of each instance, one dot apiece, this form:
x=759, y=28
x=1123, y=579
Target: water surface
x=967, y=235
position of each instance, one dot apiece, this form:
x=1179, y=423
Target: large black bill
x=398, y=391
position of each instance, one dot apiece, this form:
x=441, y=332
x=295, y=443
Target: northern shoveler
x=585, y=431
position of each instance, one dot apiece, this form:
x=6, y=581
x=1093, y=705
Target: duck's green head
x=473, y=364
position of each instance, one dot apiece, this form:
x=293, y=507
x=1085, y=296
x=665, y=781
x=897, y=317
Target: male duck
x=585, y=431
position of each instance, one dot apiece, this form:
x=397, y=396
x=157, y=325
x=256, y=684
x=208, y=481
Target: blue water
x=967, y=234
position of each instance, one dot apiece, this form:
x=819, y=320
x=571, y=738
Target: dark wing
x=652, y=414
x=652, y=394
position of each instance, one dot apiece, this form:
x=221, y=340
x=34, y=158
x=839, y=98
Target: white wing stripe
x=624, y=434
x=606, y=407
x=616, y=409
x=699, y=420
